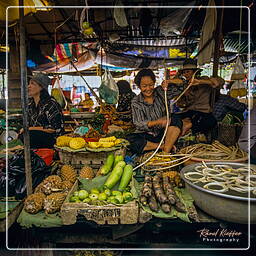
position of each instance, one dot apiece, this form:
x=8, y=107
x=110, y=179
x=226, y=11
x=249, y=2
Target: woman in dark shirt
x=125, y=96
x=45, y=117
x=149, y=114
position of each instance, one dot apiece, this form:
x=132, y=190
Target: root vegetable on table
x=158, y=189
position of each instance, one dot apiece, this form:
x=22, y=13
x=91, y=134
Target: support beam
x=218, y=35
x=24, y=100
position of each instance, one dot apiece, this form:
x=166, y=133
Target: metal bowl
x=221, y=206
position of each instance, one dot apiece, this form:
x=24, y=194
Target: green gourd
x=118, y=158
x=106, y=168
x=126, y=177
x=115, y=175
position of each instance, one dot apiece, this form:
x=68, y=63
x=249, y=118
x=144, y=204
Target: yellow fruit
x=63, y=141
x=77, y=143
x=88, y=31
x=93, y=144
x=118, y=141
x=108, y=139
x=106, y=144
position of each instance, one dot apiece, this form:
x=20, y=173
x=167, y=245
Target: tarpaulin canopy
x=13, y=13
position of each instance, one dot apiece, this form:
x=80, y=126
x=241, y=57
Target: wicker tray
x=86, y=157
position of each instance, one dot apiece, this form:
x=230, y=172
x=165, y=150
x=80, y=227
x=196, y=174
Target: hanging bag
x=58, y=94
x=108, y=89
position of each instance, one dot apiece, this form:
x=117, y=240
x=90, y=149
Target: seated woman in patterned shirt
x=149, y=114
x=45, y=117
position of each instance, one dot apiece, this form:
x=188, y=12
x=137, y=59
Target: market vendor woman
x=149, y=114
x=45, y=117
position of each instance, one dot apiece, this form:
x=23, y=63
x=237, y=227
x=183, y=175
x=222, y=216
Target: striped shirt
x=143, y=112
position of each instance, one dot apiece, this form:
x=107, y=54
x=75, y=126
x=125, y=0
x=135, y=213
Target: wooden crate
x=87, y=158
x=108, y=214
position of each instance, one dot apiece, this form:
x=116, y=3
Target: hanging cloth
x=208, y=29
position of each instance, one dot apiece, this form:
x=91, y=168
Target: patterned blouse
x=47, y=114
x=124, y=102
x=143, y=112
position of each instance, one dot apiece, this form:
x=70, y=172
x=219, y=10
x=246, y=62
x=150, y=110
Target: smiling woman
x=149, y=113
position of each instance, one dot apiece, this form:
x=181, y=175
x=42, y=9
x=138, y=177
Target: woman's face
x=188, y=73
x=147, y=86
x=33, y=88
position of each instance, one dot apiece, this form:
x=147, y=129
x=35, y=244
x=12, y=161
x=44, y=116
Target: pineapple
x=77, y=143
x=50, y=184
x=66, y=185
x=34, y=203
x=53, y=202
x=67, y=172
x=63, y=141
x=86, y=173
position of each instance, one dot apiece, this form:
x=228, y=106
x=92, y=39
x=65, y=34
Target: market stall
x=92, y=177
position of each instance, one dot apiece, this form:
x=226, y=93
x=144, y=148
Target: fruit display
x=89, y=143
x=115, y=187
x=101, y=197
x=34, y=203
x=51, y=192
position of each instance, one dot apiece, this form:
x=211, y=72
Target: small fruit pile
x=107, y=142
x=120, y=175
x=101, y=197
x=81, y=143
x=50, y=194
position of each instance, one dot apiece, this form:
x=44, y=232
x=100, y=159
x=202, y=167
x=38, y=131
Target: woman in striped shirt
x=149, y=114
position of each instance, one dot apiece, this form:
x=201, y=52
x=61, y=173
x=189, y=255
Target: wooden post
x=217, y=39
x=24, y=100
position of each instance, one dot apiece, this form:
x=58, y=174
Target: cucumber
x=106, y=168
x=126, y=177
x=118, y=158
x=115, y=175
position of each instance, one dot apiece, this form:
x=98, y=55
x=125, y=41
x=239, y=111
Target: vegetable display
x=158, y=192
x=223, y=178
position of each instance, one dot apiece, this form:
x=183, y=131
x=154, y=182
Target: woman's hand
x=162, y=122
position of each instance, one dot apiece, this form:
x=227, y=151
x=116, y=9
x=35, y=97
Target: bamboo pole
x=24, y=100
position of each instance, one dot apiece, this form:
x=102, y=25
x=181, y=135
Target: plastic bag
x=58, y=94
x=238, y=72
x=108, y=89
x=238, y=89
x=17, y=177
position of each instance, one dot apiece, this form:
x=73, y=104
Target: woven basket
x=228, y=134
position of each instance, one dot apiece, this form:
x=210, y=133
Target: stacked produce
x=50, y=194
x=119, y=173
x=158, y=192
x=85, y=142
x=214, y=151
x=223, y=178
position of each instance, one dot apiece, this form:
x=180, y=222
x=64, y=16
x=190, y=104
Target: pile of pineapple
x=50, y=194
